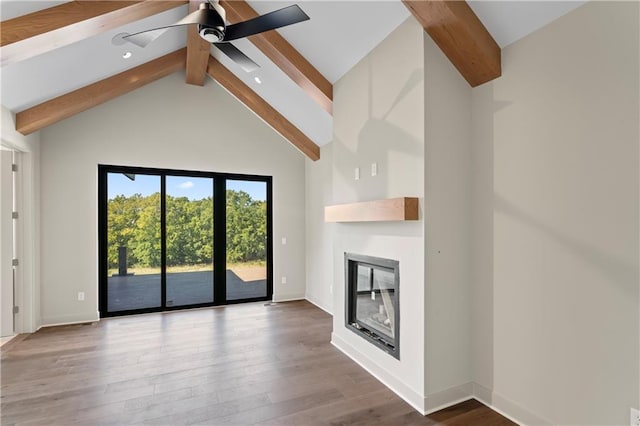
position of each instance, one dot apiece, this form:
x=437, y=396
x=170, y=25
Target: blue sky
x=179, y=186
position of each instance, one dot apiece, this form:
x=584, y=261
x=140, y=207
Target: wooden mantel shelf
x=404, y=208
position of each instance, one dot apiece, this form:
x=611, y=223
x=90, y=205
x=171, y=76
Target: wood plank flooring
x=247, y=364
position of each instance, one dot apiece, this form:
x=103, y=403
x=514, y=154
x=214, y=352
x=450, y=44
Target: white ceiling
x=509, y=21
x=339, y=34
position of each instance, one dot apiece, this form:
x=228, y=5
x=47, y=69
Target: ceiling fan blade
x=270, y=21
x=237, y=56
x=143, y=38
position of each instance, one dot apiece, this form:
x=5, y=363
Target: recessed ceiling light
x=257, y=79
x=127, y=55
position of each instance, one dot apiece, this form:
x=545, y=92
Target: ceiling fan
x=212, y=26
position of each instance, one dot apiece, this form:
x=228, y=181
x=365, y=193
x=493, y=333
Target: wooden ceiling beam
x=54, y=110
x=456, y=29
x=42, y=31
x=285, y=56
x=197, y=51
x=262, y=109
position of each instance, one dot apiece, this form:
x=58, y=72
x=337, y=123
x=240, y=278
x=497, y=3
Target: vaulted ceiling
x=60, y=58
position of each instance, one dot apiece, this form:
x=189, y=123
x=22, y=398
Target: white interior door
x=6, y=244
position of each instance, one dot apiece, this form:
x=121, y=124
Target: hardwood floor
x=241, y=364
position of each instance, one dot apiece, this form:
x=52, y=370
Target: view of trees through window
x=133, y=223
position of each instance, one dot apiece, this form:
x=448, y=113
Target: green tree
x=203, y=223
x=122, y=217
x=134, y=222
x=246, y=227
x=189, y=231
x=146, y=241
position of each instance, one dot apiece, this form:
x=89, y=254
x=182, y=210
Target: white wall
x=447, y=213
x=319, y=236
x=379, y=117
x=556, y=222
x=166, y=124
x=406, y=108
x=28, y=225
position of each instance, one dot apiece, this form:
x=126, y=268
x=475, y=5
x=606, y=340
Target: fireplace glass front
x=372, y=300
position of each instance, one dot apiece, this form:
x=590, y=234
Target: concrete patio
x=184, y=288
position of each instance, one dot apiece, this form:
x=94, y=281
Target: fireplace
x=372, y=300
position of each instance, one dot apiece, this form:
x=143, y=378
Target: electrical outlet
x=284, y=241
x=634, y=417
x=283, y=280
x=81, y=296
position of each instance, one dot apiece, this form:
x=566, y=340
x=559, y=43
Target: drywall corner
x=447, y=212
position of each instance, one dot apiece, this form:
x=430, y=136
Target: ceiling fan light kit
x=211, y=21
x=212, y=26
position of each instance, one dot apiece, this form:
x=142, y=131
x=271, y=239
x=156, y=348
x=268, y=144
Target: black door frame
x=219, y=236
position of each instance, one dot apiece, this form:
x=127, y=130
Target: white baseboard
x=317, y=304
x=507, y=408
x=448, y=397
x=7, y=339
x=410, y=396
x=287, y=298
x=498, y=403
x=69, y=320
x=482, y=394
x=443, y=399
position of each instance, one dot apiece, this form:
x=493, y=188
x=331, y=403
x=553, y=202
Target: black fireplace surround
x=373, y=300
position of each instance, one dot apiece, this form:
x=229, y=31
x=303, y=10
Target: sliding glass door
x=189, y=235
x=133, y=242
x=246, y=211
x=174, y=239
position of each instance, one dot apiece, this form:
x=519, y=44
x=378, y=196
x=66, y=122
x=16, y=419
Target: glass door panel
x=189, y=236
x=134, y=255
x=246, y=225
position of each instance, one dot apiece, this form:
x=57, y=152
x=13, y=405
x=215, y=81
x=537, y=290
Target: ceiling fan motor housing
x=214, y=27
x=212, y=35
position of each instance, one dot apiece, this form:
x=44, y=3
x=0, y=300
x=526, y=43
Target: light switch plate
x=356, y=173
